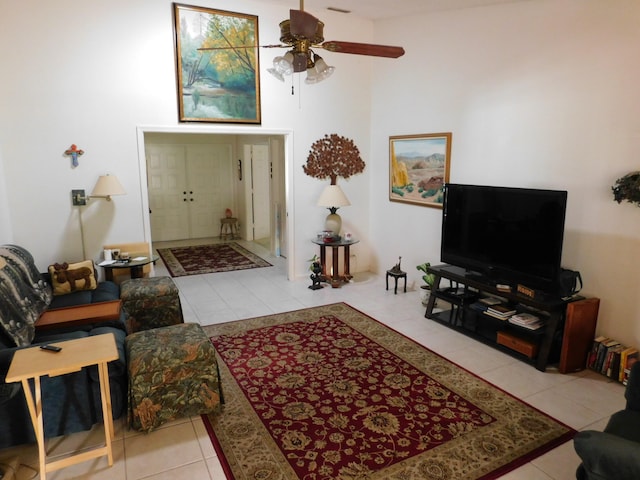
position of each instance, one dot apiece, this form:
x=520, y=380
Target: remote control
x=50, y=348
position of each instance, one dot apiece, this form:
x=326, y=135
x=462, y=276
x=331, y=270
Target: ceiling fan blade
x=364, y=49
x=303, y=24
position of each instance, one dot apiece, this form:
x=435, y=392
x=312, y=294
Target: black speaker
x=569, y=283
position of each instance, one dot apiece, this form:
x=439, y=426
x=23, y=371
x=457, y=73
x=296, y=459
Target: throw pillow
x=72, y=277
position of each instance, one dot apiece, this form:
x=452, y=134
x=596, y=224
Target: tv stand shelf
x=539, y=347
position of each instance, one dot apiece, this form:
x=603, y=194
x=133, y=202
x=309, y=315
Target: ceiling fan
x=302, y=32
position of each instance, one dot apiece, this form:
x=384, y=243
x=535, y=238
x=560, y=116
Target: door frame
x=223, y=130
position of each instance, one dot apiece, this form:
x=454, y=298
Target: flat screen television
x=508, y=235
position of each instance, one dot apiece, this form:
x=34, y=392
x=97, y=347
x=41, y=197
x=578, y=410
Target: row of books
x=496, y=308
x=611, y=358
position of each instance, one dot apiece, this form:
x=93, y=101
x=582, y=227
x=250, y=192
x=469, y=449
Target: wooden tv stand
x=538, y=347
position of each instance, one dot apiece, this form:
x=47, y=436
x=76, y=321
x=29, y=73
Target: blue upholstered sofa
x=71, y=403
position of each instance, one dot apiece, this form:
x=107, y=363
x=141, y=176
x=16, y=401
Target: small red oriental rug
x=199, y=259
x=329, y=393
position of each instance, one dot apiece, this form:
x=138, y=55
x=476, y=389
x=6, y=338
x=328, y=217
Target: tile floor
x=182, y=449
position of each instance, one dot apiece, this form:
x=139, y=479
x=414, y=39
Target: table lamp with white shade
x=333, y=198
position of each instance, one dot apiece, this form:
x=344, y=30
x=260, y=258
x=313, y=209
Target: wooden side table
x=33, y=363
x=134, y=266
x=229, y=228
x=332, y=276
x=396, y=274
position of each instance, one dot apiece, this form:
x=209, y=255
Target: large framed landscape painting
x=419, y=168
x=217, y=65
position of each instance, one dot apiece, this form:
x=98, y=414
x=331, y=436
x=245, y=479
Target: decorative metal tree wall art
x=333, y=156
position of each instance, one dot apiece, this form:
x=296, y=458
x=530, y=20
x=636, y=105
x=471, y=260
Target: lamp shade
x=333, y=196
x=282, y=66
x=319, y=72
x=106, y=186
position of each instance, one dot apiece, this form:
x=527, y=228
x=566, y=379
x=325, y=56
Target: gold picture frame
x=217, y=64
x=419, y=167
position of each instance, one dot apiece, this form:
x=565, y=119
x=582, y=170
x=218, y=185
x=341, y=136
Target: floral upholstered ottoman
x=173, y=373
x=150, y=303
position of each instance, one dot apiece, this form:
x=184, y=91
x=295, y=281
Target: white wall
x=6, y=231
x=539, y=94
x=91, y=73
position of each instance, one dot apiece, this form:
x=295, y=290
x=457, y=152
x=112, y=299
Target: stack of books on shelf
x=526, y=320
x=483, y=303
x=478, y=307
x=609, y=357
x=500, y=311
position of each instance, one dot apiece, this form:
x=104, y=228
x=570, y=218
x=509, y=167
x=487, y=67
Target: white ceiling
x=379, y=9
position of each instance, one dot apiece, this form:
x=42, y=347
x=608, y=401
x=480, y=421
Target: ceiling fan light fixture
x=276, y=74
x=320, y=71
x=282, y=65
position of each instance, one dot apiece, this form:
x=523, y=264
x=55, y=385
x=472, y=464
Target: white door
x=261, y=196
x=166, y=176
x=190, y=186
x=278, y=197
x=210, y=192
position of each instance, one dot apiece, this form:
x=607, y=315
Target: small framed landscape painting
x=217, y=65
x=419, y=168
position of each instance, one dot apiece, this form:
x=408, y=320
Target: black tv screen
x=510, y=235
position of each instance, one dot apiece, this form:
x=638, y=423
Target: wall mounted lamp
x=106, y=187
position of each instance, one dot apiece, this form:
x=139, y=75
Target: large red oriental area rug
x=199, y=259
x=330, y=393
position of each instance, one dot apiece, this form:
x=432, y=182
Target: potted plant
x=429, y=279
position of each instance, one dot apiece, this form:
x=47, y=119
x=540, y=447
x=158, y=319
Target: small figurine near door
x=316, y=274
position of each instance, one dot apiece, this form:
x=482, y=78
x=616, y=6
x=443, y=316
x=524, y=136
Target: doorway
x=272, y=145
x=189, y=188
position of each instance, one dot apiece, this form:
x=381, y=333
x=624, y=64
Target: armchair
x=615, y=453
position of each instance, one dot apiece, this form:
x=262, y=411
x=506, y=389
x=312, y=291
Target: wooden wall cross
x=74, y=152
